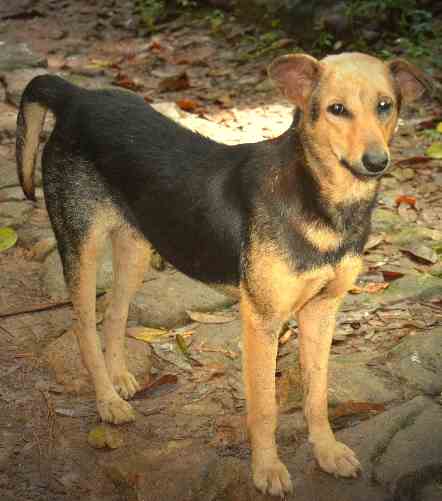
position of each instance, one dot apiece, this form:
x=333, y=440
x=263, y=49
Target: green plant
x=216, y=19
x=151, y=11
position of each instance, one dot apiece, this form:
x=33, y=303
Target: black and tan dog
x=281, y=222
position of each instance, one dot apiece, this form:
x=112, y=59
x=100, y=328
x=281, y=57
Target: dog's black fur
x=177, y=186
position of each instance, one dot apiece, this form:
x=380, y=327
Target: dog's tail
x=42, y=93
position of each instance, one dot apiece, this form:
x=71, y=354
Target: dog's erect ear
x=411, y=81
x=296, y=75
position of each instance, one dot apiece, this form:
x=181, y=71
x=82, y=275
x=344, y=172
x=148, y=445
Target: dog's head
x=350, y=105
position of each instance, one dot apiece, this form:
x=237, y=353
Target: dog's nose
x=375, y=161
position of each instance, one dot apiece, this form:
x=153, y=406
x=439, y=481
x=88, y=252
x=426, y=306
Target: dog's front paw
x=336, y=458
x=272, y=477
x=115, y=410
x=125, y=384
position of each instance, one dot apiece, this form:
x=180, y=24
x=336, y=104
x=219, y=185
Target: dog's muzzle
x=373, y=164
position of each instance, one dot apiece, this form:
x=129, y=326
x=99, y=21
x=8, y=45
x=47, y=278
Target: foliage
x=151, y=11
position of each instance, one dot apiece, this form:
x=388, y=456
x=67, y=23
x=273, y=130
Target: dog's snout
x=375, y=161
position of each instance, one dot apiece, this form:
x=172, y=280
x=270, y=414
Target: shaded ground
x=189, y=442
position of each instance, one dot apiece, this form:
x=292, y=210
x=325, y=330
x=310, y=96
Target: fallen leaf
x=179, y=81
x=406, y=199
x=102, y=436
x=161, y=385
x=122, y=80
x=390, y=275
x=414, y=160
x=147, y=334
x=373, y=242
x=8, y=238
x=435, y=151
x=370, y=288
x=211, y=318
x=187, y=104
x=439, y=127
x=351, y=408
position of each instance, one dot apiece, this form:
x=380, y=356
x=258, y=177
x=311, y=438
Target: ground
x=189, y=440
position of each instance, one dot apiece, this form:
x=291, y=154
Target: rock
x=8, y=176
x=18, y=55
x=63, y=357
x=171, y=470
x=8, y=123
x=421, y=286
x=391, y=447
x=53, y=279
x=418, y=444
x=15, y=212
x=385, y=220
x=417, y=362
x=16, y=82
x=351, y=379
x=165, y=297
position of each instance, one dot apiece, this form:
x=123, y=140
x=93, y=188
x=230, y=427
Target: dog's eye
x=338, y=109
x=384, y=106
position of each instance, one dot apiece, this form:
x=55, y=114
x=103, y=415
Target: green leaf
x=439, y=127
x=8, y=238
x=435, y=150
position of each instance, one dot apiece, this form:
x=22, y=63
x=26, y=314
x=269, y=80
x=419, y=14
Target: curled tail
x=42, y=93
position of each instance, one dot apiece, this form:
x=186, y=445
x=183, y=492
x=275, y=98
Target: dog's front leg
x=317, y=323
x=260, y=345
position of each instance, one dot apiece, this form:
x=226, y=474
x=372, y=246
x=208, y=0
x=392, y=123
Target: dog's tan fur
x=274, y=286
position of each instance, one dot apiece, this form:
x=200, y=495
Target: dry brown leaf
x=187, y=104
x=350, y=408
x=163, y=384
x=210, y=318
x=180, y=81
x=406, y=199
x=122, y=80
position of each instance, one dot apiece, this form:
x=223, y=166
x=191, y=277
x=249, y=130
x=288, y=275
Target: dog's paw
x=336, y=458
x=115, y=410
x=272, y=477
x=125, y=384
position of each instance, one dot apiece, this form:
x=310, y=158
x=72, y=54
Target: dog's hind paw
x=115, y=410
x=338, y=459
x=272, y=477
x=125, y=384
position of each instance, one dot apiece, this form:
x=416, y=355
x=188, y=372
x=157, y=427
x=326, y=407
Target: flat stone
x=15, y=212
x=18, y=55
x=165, y=297
x=351, y=379
x=417, y=362
x=53, y=279
x=413, y=455
x=421, y=286
x=63, y=357
x=374, y=443
x=8, y=169
x=8, y=123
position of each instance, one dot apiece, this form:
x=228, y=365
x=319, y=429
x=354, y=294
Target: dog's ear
x=411, y=81
x=296, y=75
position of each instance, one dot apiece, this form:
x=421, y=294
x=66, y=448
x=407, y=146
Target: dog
x=280, y=223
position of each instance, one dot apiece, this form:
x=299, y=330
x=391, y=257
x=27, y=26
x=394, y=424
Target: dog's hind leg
x=111, y=406
x=131, y=256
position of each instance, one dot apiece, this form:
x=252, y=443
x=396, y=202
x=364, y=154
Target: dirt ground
x=189, y=441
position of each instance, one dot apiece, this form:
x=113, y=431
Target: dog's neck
x=326, y=194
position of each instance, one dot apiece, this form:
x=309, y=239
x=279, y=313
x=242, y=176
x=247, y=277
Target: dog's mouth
x=361, y=172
